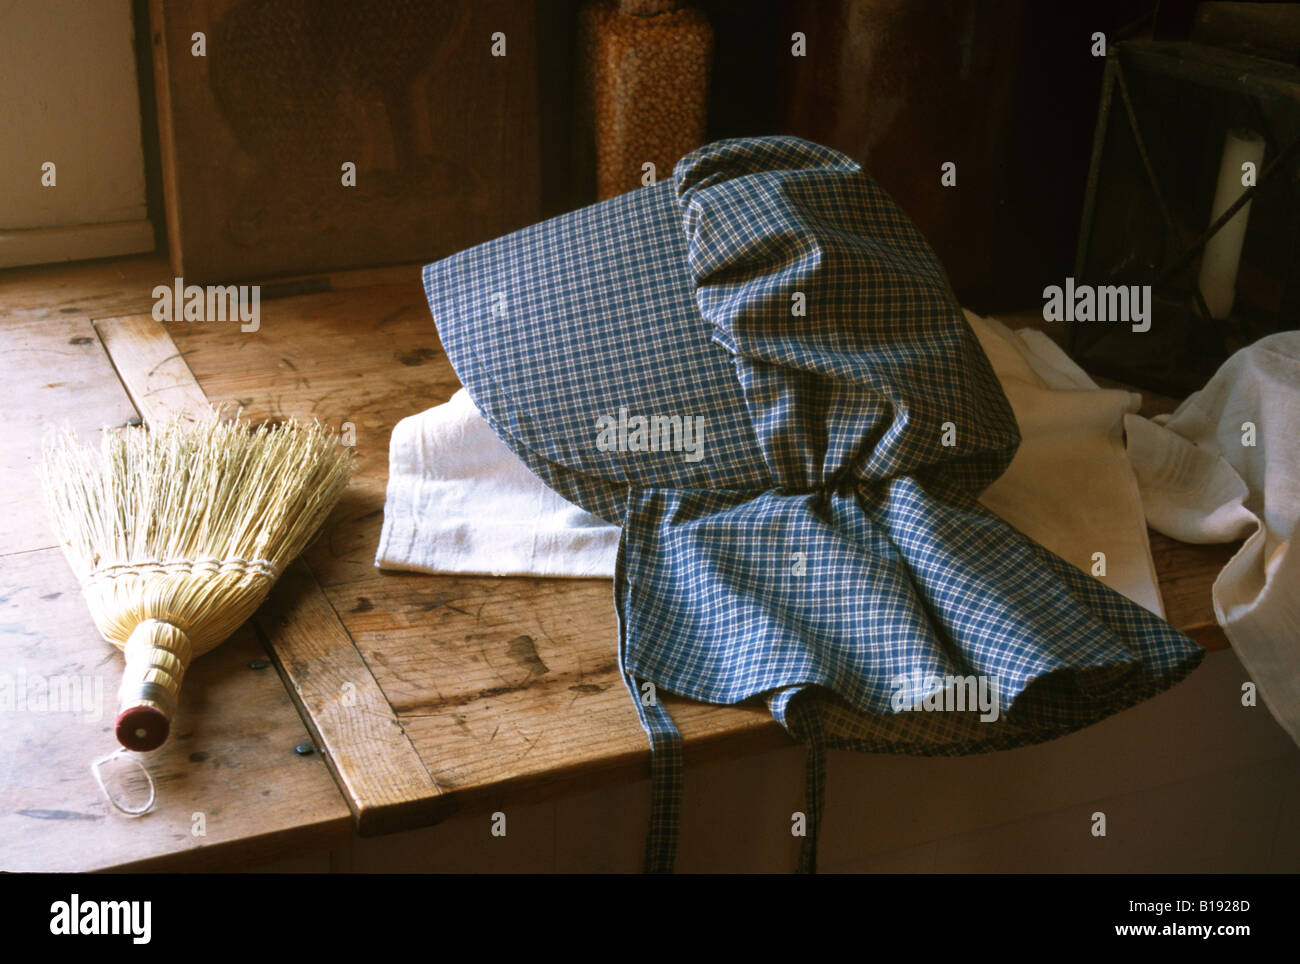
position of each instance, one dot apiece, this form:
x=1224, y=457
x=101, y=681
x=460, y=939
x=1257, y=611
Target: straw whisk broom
x=177, y=534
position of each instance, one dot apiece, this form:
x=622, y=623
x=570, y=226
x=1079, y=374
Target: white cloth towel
x=1224, y=466
x=1070, y=487
x=459, y=501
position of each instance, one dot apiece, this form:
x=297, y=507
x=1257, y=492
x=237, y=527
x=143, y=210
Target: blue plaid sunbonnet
x=827, y=553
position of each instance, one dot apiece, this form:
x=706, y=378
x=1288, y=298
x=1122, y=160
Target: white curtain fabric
x=1225, y=466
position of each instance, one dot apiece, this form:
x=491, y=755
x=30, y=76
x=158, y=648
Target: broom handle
x=157, y=654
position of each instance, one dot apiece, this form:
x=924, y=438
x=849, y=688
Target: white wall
x=68, y=95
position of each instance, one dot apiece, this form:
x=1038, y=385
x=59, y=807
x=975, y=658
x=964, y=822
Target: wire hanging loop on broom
x=96, y=770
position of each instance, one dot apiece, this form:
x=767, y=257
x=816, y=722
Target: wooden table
x=232, y=790
x=427, y=695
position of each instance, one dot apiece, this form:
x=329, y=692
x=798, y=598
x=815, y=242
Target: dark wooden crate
x=253, y=136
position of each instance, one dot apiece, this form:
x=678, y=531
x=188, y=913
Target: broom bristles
x=192, y=491
x=177, y=533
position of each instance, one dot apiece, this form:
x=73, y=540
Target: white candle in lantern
x=1222, y=255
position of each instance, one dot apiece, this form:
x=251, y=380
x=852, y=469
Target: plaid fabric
x=826, y=551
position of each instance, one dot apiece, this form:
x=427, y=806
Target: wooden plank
x=118, y=286
x=378, y=770
x=115, y=287
x=381, y=776
x=153, y=371
x=55, y=373
x=1186, y=575
x=230, y=756
x=510, y=687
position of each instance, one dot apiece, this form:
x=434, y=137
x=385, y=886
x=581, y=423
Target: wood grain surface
x=229, y=768
x=55, y=373
x=428, y=695
x=382, y=778
x=507, y=688
x=151, y=369
x=231, y=756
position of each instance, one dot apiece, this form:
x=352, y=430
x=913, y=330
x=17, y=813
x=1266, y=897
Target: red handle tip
x=142, y=728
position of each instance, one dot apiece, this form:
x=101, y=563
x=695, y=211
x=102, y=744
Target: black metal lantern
x=1174, y=123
